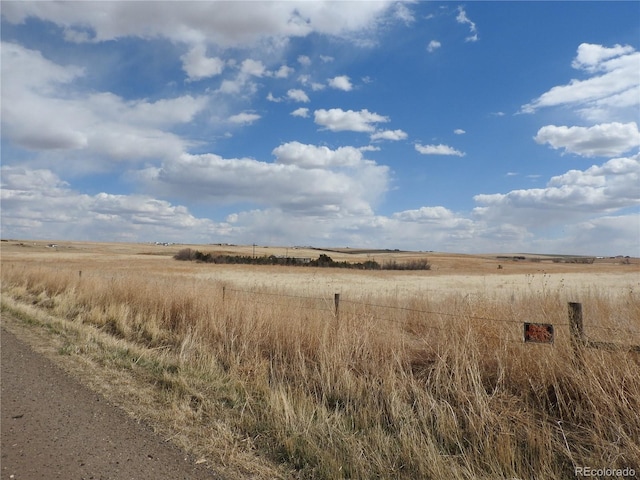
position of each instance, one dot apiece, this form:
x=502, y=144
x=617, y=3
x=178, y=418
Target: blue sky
x=463, y=127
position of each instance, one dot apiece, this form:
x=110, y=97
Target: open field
x=450, y=273
x=423, y=374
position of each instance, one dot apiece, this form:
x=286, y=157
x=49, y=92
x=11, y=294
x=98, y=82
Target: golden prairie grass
x=394, y=386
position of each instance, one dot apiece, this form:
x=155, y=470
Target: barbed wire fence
x=335, y=309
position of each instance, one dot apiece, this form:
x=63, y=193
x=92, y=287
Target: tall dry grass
x=409, y=388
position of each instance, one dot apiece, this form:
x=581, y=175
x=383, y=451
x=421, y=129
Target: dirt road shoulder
x=53, y=427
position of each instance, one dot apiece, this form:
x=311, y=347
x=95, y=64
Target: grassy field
x=420, y=375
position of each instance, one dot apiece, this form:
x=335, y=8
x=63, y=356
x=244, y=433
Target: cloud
x=607, y=234
x=23, y=62
x=46, y=112
x=20, y=180
x=435, y=228
x=298, y=95
x=438, y=150
x=252, y=67
x=247, y=71
x=611, y=93
x=617, y=176
x=404, y=230
x=425, y=214
x=28, y=118
x=341, y=82
x=369, y=148
x=233, y=25
x=304, y=60
x=604, y=140
x=459, y=131
x=39, y=202
x=402, y=12
x=462, y=18
x=433, y=46
x=231, y=87
x=312, y=156
x=162, y=113
x=389, y=135
x=283, y=72
x=197, y=65
x=591, y=57
x=244, y=118
x=567, y=198
x=581, y=211
x=338, y=120
x=301, y=112
x=325, y=184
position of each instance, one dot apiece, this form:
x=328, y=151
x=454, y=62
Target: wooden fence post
x=580, y=340
x=336, y=301
x=224, y=291
x=79, y=274
x=576, y=326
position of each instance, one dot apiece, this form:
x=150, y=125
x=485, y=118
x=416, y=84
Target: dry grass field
x=422, y=374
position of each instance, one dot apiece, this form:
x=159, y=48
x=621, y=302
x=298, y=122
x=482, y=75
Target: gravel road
x=52, y=427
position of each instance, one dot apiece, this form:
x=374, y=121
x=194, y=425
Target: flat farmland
x=488, y=274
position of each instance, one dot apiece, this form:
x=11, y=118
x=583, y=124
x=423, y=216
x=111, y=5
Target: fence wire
x=342, y=302
x=330, y=307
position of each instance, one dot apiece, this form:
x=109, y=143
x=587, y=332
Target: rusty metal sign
x=538, y=333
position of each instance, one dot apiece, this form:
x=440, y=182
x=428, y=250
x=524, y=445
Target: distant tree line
x=584, y=260
x=324, y=260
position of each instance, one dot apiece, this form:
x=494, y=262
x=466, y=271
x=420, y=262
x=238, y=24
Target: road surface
x=52, y=427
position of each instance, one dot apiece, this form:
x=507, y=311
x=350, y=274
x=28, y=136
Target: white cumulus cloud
x=39, y=114
x=579, y=193
x=244, y=118
x=298, y=95
x=226, y=24
x=591, y=57
x=301, y=112
x=197, y=65
x=433, y=46
x=283, y=72
x=438, y=150
x=342, y=82
x=252, y=67
x=603, y=140
x=324, y=184
x=338, y=120
x=389, y=135
x=425, y=214
x=37, y=201
x=611, y=93
x=312, y=156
